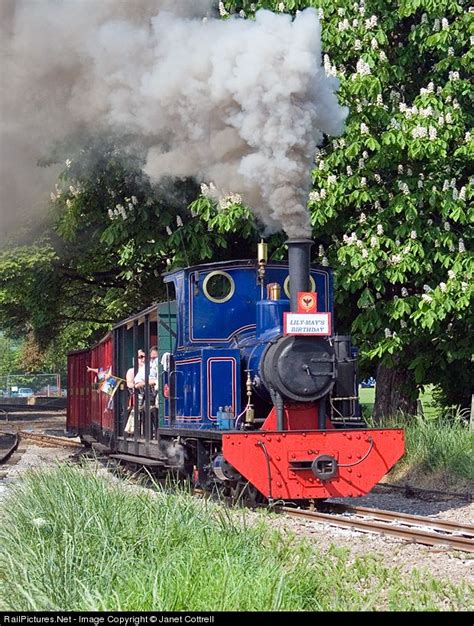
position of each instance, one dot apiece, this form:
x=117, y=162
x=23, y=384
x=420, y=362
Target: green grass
x=71, y=540
x=439, y=446
x=436, y=442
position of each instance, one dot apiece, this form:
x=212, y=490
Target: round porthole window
x=286, y=285
x=218, y=286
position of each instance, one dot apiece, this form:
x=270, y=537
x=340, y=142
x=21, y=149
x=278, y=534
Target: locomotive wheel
x=245, y=494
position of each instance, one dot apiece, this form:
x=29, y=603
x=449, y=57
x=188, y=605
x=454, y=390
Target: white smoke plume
x=240, y=103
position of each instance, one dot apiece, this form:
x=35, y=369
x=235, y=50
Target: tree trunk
x=395, y=392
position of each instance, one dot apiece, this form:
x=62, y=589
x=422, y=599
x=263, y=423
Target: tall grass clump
x=435, y=445
x=440, y=444
x=70, y=539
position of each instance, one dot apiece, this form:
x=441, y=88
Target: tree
x=110, y=236
x=391, y=205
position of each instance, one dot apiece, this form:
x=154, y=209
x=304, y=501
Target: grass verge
x=72, y=540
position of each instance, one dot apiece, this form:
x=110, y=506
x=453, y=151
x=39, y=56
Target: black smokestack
x=299, y=262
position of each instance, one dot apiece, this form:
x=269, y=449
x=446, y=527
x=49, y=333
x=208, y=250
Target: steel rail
x=49, y=439
x=15, y=408
x=5, y=454
x=412, y=533
x=416, y=520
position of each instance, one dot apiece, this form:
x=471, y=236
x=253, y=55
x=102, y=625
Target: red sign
x=307, y=302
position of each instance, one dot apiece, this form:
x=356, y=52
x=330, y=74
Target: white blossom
x=332, y=179
x=374, y=44
x=446, y=226
x=179, y=221
x=388, y=333
x=349, y=170
x=169, y=231
x=374, y=241
x=444, y=24
x=134, y=200
x=419, y=132
x=357, y=44
x=462, y=194
x=379, y=229
x=371, y=22
x=324, y=262
x=363, y=181
x=281, y=7
x=413, y=234
x=343, y=25
x=443, y=287
x=451, y=274
x=426, y=298
x=222, y=10
x=461, y=246
x=364, y=129
x=404, y=292
x=403, y=187
x=403, y=324
x=68, y=163
x=377, y=178
x=453, y=76
x=362, y=218
x=382, y=56
x=432, y=133
x=363, y=68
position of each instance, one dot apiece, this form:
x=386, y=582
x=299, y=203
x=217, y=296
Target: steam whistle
x=262, y=257
x=249, y=410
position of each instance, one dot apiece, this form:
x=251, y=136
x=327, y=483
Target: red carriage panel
x=78, y=395
x=101, y=359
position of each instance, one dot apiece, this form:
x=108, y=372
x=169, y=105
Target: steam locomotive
x=255, y=392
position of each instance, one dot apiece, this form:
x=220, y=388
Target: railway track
x=413, y=528
x=30, y=408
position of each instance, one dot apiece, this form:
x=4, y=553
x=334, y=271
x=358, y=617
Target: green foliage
x=70, y=539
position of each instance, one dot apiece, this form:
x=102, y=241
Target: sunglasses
x=141, y=356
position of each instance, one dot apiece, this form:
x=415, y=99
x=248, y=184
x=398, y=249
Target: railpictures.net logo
x=118, y=620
